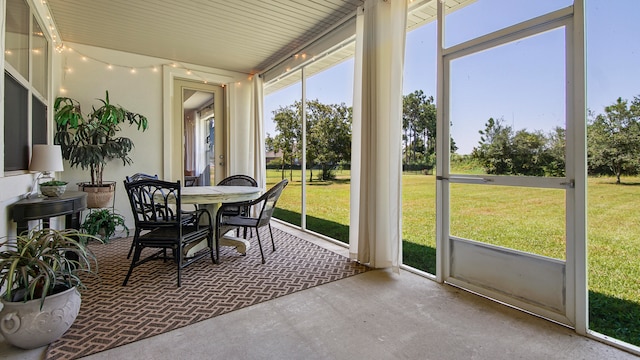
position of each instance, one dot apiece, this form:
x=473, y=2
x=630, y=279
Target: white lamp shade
x=46, y=158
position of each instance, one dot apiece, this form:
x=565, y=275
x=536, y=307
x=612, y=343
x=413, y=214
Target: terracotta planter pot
x=27, y=326
x=99, y=196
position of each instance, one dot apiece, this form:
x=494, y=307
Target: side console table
x=70, y=204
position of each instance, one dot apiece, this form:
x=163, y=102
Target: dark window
x=38, y=121
x=16, y=137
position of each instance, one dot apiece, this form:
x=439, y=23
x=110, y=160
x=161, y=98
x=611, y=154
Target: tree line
x=329, y=135
x=613, y=145
x=328, y=129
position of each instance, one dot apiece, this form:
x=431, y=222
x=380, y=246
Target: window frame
x=32, y=95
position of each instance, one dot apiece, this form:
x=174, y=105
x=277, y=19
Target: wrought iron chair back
x=159, y=223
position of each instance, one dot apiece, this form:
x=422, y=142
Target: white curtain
x=189, y=141
x=246, y=130
x=375, y=236
x=257, y=120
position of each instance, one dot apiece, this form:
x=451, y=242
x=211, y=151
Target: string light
x=60, y=48
x=132, y=69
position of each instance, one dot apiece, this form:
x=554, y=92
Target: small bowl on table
x=53, y=188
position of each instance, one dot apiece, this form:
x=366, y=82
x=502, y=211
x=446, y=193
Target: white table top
x=218, y=194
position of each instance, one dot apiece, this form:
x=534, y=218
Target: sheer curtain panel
x=375, y=236
x=246, y=130
x=257, y=120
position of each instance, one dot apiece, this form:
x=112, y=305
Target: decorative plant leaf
x=34, y=263
x=103, y=222
x=90, y=142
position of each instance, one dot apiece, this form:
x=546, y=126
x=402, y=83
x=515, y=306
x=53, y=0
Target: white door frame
x=171, y=141
x=565, y=299
x=177, y=171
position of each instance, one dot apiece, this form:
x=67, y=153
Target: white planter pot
x=27, y=326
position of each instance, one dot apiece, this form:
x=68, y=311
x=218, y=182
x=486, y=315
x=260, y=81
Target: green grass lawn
x=525, y=219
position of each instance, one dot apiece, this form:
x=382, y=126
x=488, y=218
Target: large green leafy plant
x=91, y=142
x=43, y=262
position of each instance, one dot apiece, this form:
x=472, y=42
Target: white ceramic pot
x=53, y=190
x=27, y=326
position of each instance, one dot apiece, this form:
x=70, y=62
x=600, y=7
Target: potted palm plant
x=42, y=282
x=103, y=223
x=91, y=141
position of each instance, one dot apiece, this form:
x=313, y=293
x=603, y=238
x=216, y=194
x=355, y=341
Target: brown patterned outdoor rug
x=112, y=315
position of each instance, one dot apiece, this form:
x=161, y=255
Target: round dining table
x=211, y=197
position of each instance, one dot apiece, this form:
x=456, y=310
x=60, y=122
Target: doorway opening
x=199, y=137
x=198, y=144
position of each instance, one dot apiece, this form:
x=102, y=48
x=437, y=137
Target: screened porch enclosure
x=446, y=138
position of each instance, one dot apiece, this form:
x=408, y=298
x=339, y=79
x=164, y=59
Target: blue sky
x=522, y=82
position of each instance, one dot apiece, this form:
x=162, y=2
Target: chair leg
x=217, y=240
x=133, y=244
x=179, y=261
x=260, y=245
x=273, y=244
x=136, y=257
x=214, y=258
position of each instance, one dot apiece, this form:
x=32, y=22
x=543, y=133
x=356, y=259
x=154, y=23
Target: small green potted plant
x=53, y=188
x=103, y=223
x=41, y=282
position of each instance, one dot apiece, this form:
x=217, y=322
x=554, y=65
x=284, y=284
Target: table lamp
x=44, y=159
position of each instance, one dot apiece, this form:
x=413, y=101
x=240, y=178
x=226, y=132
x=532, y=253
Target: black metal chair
x=225, y=222
x=140, y=176
x=232, y=209
x=187, y=216
x=238, y=180
x=154, y=204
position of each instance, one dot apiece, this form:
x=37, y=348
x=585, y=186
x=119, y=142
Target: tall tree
x=329, y=135
x=288, y=136
x=614, y=138
x=494, y=150
x=419, y=126
x=554, y=165
x=528, y=153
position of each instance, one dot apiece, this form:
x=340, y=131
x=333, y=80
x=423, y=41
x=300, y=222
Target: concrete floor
x=376, y=315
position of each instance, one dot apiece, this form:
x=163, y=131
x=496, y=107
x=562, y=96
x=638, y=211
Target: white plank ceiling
x=420, y=12
x=238, y=35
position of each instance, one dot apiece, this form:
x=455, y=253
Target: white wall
x=86, y=77
x=81, y=72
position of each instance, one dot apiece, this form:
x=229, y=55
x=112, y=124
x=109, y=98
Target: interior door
x=198, y=117
x=526, y=257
